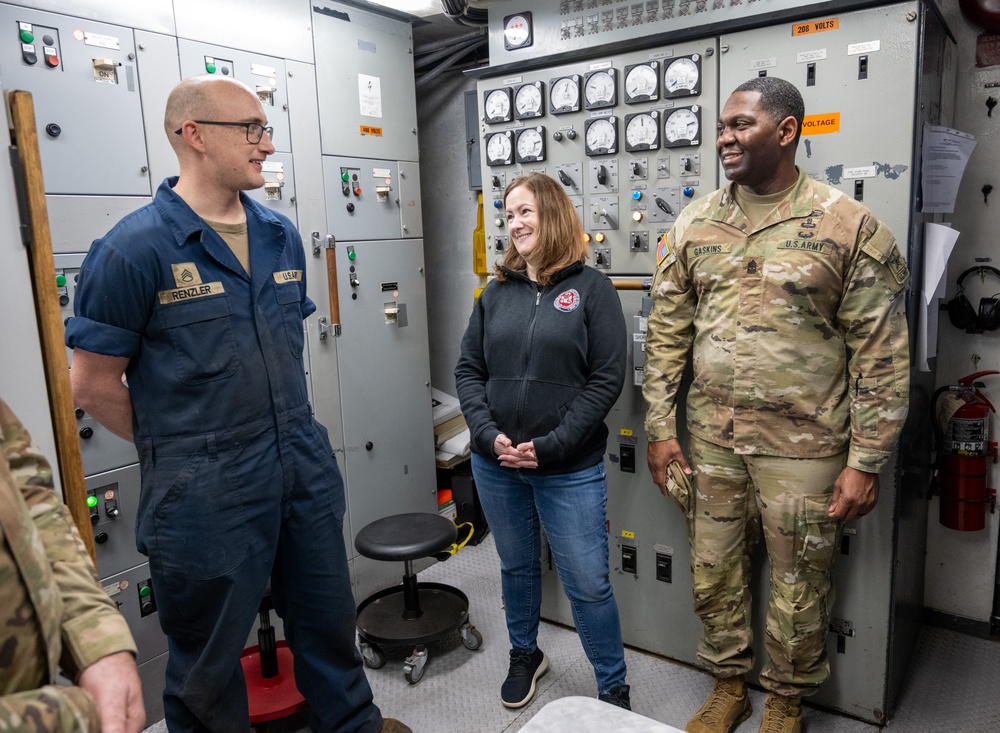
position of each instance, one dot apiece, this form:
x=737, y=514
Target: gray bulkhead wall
x=117, y=62
x=852, y=59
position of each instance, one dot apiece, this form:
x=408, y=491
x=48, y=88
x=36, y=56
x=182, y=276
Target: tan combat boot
x=781, y=715
x=727, y=706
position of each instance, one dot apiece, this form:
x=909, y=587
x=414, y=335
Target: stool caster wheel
x=471, y=636
x=414, y=665
x=373, y=656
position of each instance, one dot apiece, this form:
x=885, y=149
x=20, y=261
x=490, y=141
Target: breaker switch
x=862, y=67
x=565, y=179
x=602, y=175
x=664, y=567
x=626, y=455
x=630, y=563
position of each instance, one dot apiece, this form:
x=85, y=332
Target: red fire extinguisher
x=964, y=453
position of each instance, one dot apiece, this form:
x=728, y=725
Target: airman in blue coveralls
x=198, y=299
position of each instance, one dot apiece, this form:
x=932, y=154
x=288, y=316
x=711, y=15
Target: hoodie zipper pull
x=538, y=297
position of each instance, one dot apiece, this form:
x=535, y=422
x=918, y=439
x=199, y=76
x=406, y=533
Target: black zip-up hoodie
x=544, y=363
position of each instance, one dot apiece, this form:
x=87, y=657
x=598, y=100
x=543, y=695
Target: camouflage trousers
x=737, y=496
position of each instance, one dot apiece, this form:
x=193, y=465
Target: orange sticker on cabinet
x=821, y=124
x=367, y=130
x=815, y=26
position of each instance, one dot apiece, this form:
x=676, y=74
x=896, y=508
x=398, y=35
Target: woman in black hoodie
x=542, y=362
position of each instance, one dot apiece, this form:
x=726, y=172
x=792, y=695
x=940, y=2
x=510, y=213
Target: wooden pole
x=50, y=326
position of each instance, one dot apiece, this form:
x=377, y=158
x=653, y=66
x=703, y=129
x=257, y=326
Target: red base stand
x=275, y=697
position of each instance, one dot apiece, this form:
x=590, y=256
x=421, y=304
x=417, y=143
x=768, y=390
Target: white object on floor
x=588, y=715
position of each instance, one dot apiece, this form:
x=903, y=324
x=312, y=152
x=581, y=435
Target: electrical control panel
x=624, y=135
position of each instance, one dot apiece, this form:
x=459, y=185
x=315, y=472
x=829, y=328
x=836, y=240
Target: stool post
x=267, y=647
x=411, y=595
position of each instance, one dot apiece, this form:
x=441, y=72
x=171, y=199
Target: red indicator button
x=52, y=60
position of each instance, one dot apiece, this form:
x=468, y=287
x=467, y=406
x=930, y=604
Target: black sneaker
x=525, y=668
x=617, y=696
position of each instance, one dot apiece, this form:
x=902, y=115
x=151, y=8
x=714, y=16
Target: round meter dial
x=642, y=132
x=499, y=150
x=564, y=95
x=682, y=77
x=601, y=136
x=530, y=145
x=682, y=127
x=642, y=83
x=600, y=89
x=528, y=101
x=496, y=105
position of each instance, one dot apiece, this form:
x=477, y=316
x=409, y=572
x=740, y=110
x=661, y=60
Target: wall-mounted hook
x=987, y=190
x=991, y=102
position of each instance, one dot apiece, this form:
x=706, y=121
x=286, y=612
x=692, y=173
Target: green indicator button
x=351, y=254
x=27, y=37
x=210, y=68
x=144, y=591
x=91, y=501
x=60, y=280
x=345, y=176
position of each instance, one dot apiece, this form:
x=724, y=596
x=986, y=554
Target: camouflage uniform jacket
x=54, y=613
x=797, y=329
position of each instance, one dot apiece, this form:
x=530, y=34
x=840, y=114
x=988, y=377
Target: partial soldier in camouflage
x=789, y=295
x=54, y=613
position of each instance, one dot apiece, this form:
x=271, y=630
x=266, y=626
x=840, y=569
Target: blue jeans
x=571, y=508
x=220, y=515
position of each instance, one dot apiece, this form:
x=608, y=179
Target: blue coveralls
x=239, y=482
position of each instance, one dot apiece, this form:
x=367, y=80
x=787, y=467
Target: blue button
x=688, y=191
x=637, y=195
x=496, y=204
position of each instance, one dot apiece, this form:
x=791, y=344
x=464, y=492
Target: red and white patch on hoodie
x=567, y=301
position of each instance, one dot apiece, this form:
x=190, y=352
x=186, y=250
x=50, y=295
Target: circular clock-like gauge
x=600, y=89
x=682, y=127
x=531, y=145
x=564, y=95
x=682, y=76
x=499, y=149
x=642, y=132
x=601, y=136
x=642, y=83
x=528, y=101
x=496, y=104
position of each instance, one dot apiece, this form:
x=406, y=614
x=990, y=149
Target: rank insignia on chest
x=185, y=274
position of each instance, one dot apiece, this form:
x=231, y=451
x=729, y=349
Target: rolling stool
x=271, y=690
x=411, y=613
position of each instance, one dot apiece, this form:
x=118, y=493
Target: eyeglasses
x=254, y=131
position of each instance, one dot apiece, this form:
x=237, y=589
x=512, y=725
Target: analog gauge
x=642, y=83
x=517, y=31
x=601, y=136
x=682, y=126
x=642, y=131
x=496, y=104
x=564, y=95
x=528, y=101
x=600, y=89
x=531, y=145
x=682, y=77
x=499, y=149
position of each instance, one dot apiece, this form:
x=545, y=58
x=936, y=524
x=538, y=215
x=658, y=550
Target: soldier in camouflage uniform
x=790, y=297
x=54, y=613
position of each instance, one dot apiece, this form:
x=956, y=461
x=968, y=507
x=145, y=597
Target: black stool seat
x=406, y=536
x=411, y=613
